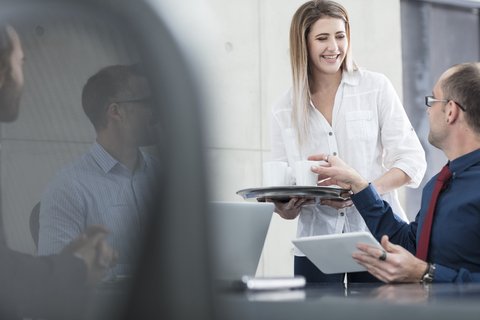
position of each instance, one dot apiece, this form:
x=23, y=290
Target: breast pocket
x=291, y=143
x=361, y=125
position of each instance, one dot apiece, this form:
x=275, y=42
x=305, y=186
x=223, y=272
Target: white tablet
x=333, y=253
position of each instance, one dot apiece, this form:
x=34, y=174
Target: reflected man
x=114, y=184
x=447, y=251
x=85, y=260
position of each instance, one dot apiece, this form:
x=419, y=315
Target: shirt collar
x=142, y=164
x=350, y=78
x=103, y=158
x=107, y=162
x=464, y=162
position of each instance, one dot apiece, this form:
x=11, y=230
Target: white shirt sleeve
x=401, y=144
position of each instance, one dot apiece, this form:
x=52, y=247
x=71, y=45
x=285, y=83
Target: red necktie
x=422, y=249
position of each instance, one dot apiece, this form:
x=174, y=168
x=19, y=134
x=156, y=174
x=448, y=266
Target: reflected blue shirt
x=97, y=189
x=455, y=236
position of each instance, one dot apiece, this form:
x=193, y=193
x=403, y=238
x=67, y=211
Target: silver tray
x=285, y=193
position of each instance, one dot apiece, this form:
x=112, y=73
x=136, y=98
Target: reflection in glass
x=64, y=48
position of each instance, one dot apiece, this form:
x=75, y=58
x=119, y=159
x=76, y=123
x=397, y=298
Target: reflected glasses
x=430, y=100
x=147, y=102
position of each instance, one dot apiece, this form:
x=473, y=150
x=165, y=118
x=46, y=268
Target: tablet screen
x=333, y=253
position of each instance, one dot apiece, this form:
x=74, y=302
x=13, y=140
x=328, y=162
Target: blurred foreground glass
x=66, y=42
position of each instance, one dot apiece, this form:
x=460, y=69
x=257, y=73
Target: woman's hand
x=290, y=210
x=337, y=204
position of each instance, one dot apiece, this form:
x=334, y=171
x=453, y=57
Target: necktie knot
x=445, y=174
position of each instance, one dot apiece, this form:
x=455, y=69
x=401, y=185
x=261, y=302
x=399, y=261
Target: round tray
x=285, y=193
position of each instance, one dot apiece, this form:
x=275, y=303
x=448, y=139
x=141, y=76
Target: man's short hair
x=6, y=49
x=463, y=87
x=108, y=85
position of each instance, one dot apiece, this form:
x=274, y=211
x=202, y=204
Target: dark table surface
x=355, y=301
x=320, y=301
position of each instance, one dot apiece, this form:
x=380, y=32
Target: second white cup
x=303, y=175
x=276, y=174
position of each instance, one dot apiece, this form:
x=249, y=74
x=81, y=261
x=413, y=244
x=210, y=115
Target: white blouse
x=370, y=131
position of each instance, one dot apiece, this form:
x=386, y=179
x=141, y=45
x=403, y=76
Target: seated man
x=114, y=184
x=85, y=260
x=447, y=250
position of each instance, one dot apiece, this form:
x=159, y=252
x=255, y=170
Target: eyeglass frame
x=147, y=100
x=430, y=100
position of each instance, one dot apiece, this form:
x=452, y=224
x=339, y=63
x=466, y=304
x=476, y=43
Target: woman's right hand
x=337, y=204
x=290, y=210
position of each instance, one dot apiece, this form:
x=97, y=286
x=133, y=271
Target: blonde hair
x=305, y=16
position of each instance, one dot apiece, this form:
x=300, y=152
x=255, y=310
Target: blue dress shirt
x=455, y=237
x=97, y=189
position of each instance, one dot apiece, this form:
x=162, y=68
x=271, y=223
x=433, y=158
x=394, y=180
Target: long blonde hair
x=303, y=19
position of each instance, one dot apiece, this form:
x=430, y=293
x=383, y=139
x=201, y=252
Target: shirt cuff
x=415, y=174
x=366, y=198
x=444, y=274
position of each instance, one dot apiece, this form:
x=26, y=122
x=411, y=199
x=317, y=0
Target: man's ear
x=113, y=112
x=452, y=112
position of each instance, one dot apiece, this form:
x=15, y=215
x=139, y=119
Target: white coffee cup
x=304, y=175
x=276, y=174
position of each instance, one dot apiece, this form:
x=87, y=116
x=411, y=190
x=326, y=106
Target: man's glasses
x=430, y=100
x=147, y=102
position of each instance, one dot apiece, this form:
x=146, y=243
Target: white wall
x=249, y=53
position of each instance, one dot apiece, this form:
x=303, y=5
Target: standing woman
x=336, y=108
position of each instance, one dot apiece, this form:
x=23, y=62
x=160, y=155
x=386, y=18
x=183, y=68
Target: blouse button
x=335, y=154
x=342, y=214
x=330, y=133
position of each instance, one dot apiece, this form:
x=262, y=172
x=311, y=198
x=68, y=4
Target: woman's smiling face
x=327, y=45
